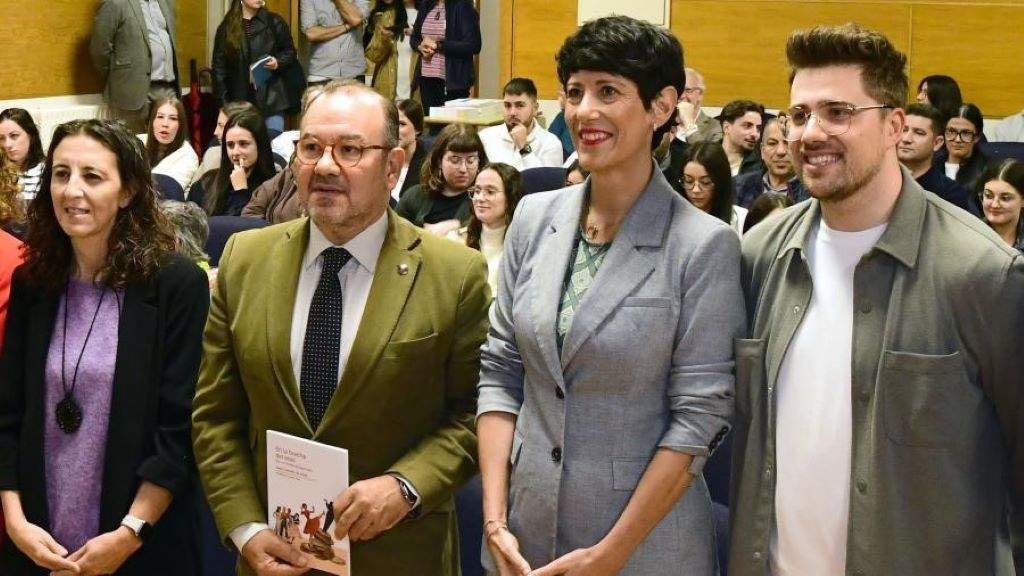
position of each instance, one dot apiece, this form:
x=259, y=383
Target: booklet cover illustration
x=303, y=479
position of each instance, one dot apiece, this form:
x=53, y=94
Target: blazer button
x=556, y=454
x=559, y=394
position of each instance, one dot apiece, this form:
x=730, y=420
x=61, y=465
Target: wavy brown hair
x=154, y=150
x=460, y=138
x=141, y=237
x=512, y=183
x=11, y=209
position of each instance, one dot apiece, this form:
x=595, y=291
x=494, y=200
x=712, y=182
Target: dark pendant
x=69, y=415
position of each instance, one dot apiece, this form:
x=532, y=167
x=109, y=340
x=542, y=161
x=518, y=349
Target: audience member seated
x=741, y=131
x=495, y=195
x=12, y=207
x=707, y=128
x=410, y=130
x=440, y=203
x=940, y=91
x=211, y=158
x=167, y=145
x=778, y=175
x=707, y=184
x=248, y=33
x=521, y=142
x=922, y=138
x=283, y=144
x=99, y=369
x=191, y=230
x=1002, y=201
x=575, y=174
x=19, y=141
x=964, y=161
x=245, y=163
x=560, y=128
x=276, y=200
x=1010, y=129
x=764, y=206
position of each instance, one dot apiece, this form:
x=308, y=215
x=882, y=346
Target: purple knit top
x=74, y=462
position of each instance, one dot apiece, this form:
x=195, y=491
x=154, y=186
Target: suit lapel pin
x=403, y=269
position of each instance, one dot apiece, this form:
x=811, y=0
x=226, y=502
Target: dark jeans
x=434, y=93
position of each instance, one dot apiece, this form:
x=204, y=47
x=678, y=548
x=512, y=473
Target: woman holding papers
x=98, y=370
x=606, y=379
x=252, y=35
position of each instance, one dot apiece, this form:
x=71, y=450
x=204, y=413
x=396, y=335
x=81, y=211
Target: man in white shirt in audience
x=521, y=142
x=1010, y=129
x=708, y=129
x=741, y=129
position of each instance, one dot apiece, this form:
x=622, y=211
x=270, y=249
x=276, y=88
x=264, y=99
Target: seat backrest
x=543, y=179
x=1002, y=150
x=222, y=227
x=169, y=188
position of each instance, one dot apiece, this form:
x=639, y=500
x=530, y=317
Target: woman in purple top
x=98, y=370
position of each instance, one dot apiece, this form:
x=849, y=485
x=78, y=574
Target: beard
x=843, y=183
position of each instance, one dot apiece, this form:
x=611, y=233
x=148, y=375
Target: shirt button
x=865, y=307
x=768, y=472
x=559, y=394
x=757, y=555
x=556, y=454
x=862, y=486
x=796, y=309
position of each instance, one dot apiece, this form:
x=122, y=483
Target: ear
x=393, y=166
x=940, y=141
x=894, y=123
x=664, y=105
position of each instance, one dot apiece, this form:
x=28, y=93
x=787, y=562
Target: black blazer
x=230, y=73
x=159, y=347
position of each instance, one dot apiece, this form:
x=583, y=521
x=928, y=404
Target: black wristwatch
x=138, y=526
x=525, y=150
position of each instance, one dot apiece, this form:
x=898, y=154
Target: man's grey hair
x=387, y=105
x=697, y=76
x=190, y=228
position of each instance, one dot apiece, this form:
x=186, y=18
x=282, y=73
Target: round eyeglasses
x=309, y=151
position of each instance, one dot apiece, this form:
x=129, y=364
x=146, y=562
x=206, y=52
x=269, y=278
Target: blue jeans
x=275, y=123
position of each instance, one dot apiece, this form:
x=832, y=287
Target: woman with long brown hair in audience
x=98, y=370
x=246, y=162
x=495, y=195
x=20, y=142
x=706, y=182
x=1002, y=200
x=167, y=144
x=440, y=203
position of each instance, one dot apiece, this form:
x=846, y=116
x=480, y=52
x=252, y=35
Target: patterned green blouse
x=586, y=258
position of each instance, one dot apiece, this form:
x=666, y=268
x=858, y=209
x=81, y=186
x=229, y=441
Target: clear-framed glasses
x=482, y=192
x=965, y=136
x=468, y=161
x=310, y=150
x=834, y=118
x=703, y=183
x=693, y=90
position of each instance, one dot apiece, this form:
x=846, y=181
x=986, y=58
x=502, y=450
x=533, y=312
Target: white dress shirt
x=355, y=276
x=545, y=147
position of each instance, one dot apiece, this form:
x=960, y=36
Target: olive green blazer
x=405, y=402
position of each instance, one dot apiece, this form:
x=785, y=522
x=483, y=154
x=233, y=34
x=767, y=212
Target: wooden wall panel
x=740, y=45
x=983, y=51
x=46, y=46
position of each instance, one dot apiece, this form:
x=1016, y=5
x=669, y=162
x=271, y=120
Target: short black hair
x=519, y=86
x=737, y=108
x=930, y=112
x=972, y=114
x=649, y=56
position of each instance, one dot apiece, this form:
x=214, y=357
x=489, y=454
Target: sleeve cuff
x=412, y=489
x=241, y=535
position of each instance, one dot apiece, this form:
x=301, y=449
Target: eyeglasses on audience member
x=965, y=136
x=702, y=183
x=310, y=150
x=469, y=160
x=482, y=192
x=833, y=118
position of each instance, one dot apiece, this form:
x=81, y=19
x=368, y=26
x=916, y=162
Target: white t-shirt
x=951, y=170
x=814, y=424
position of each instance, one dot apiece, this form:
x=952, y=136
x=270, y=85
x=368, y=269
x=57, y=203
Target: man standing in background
x=334, y=30
x=132, y=47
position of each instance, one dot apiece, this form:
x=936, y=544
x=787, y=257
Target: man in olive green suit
x=356, y=329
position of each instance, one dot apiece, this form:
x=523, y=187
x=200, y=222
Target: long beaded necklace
x=69, y=413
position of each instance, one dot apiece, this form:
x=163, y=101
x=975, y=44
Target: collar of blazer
x=384, y=306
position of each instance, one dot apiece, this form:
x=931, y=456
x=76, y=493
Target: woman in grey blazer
x=606, y=380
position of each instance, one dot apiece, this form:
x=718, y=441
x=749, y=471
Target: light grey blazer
x=646, y=364
x=119, y=48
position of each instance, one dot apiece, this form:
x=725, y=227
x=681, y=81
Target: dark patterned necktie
x=322, y=346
